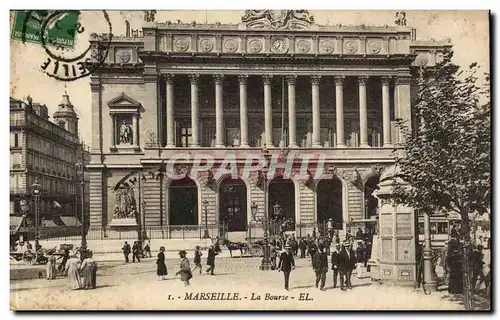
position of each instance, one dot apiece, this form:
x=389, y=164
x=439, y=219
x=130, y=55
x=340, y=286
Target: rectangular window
x=16, y=140
x=442, y=227
x=185, y=137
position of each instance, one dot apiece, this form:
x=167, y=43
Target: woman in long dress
x=51, y=268
x=185, y=270
x=72, y=269
x=161, y=269
x=89, y=269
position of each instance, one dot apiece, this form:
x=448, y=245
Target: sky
x=468, y=31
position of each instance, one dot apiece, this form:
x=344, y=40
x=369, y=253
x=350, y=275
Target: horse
x=236, y=246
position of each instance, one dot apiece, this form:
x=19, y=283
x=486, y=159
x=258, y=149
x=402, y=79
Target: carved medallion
x=231, y=45
x=326, y=46
x=303, y=46
x=255, y=45
x=279, y=45
x=421, y=60
x=123, y=56
x=182, y=44
x=206, y=45
x=374, y=47
x=351, y=46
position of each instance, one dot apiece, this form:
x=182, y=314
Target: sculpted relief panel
x=181, y=44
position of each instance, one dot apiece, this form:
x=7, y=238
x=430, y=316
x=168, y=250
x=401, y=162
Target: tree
x=446, y=160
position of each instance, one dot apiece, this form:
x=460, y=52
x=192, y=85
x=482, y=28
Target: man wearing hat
x=211, y=259
x=185, y=270
x=347, y=263
x=320, y=266
x=335, y=264
x=286, y=264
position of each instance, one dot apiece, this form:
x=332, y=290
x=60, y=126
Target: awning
x=71, y=221
x=15, y=224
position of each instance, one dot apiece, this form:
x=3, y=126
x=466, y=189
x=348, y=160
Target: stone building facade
x=275, y=85
x=46, y=152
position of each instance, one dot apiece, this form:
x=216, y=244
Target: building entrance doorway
x=329, y=202
x=183, y=199
x=233, y=204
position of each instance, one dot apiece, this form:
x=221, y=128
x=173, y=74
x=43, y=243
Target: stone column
x=242, y=79
x=339, y=110
x=219, y=111
x=386, y=112
x=363, y=116
x=135, y=129
x=194, y=79
x=170, y=110
x=292, y=135
x=113, y=137
x=315, y=111
x=403, y=102
x=268, y=110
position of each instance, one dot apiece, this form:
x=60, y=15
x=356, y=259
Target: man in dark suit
x=320, y=266
x=126, y=251
x=286, y=264
x=347, y=263
x=335, y=264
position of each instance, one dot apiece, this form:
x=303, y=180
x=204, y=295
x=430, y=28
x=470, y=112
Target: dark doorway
x=282, y=195
x=183, y=198
x=370, y=202
x=329, y=202
x=233, y=204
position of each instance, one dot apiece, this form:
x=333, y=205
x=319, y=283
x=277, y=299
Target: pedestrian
x=126, y=251
x=477, y=257
x=359, y=234
x=273, y=254
x=135, y=251
x=295, y=245
x=286, y=264
x=185, y=270
x=335, y=264
x=328, y=243
x=337, y=237
x=217, y=246
x=29, y=246
x=89, y=271
x=161, y=267
x=38, y=246
x=347, y=263
x=197, y=258
x=442, y=262
x=329, y=227
x=64, y=260
x=51, y=268
x=360, y=258
x=72, y=269
x=302, y=247
x=312, y=250
x=147, y=248
x=320, y=266
x=211, y=259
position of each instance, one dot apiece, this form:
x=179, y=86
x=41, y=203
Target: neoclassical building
x=276, y=84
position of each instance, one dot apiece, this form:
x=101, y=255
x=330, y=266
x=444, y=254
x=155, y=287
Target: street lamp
x=430, y=283
x=35, y=189
x=205, y=234
x=266, y=261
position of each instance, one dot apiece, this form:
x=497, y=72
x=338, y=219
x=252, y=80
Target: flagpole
x=283, y=110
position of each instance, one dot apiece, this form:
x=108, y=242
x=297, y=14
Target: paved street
x=135, y=286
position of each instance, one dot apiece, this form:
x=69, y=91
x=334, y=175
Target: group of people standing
x=185, y=269
x=80, y=274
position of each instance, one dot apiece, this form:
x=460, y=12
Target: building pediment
x=123, y=103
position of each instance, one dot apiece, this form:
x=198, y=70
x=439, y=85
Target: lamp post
x=266, y=261
x=205, y=206
x=430, y=283
x=35, y=187
x=82, y=198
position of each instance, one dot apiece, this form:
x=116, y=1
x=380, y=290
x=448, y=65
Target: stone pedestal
x=397, y=262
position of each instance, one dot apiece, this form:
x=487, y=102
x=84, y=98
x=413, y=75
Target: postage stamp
x=28, y=28
x=57, y=31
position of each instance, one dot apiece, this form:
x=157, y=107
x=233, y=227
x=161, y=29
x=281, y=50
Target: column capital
x=150, y=77
x=403, y=80
x=243, y=79
x=194, y=78
x=291, y=79
x=339, y=80
x=362, y=80
x=218, y=78
x=362, y=37
x=315, y=79
x=267, y=79
x=169, y=78
x=386, y=80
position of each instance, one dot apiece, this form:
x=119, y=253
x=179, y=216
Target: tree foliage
x=447, y=160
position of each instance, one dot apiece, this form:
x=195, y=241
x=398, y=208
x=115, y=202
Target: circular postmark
x=69, y=64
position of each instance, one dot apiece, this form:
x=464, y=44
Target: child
x=197, y=259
